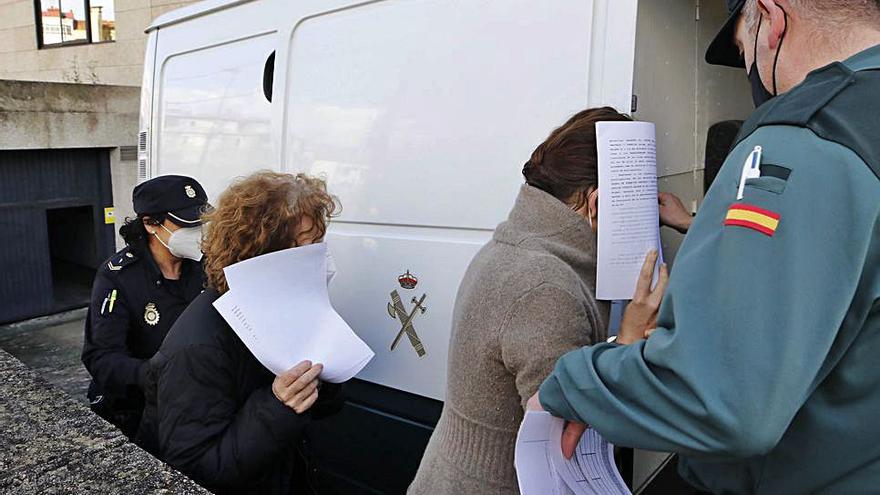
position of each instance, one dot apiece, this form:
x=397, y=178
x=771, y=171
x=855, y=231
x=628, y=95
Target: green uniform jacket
x=764, y=372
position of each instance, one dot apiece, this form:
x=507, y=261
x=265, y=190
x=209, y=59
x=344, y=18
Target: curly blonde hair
x=259, y=214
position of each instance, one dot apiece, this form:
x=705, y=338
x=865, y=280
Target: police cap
x=723, y=49
x=181, y=197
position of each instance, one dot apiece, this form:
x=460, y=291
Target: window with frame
x=75, y=22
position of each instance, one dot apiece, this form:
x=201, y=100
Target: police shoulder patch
x=121, y=259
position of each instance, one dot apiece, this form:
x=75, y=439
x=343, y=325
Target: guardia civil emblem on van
x=408, y=280
x=398, y=311
x=151, y=314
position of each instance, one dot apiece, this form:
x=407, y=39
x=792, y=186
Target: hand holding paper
x=673, y=213
x=297, y=388
x=278, y=305
x=640, y=315
x=541, y=468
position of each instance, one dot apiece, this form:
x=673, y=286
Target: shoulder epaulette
x=121, y=259
x=836, y=103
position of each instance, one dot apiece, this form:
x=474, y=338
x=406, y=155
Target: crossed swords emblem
x=397, y=311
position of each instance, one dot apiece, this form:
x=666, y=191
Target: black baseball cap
x=723, y=49
x=181, y=197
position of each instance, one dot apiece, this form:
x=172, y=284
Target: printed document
x=279, y=306
x=541, y=469
x=629, y=221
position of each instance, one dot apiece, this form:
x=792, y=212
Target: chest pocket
x=773, y=179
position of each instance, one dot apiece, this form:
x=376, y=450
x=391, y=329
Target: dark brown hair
x=259, y=214
x=566, y=164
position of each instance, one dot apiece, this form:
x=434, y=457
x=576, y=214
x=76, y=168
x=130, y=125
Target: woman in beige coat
x=527, y=298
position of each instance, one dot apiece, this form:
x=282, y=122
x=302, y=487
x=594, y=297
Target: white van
x=420, y=113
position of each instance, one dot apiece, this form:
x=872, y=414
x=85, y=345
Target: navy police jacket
x=131, y=310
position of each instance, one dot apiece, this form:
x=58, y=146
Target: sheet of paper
x=628, y=212
x=592, y=465
x=279, y=306
x=534, y=470
x=541, y=468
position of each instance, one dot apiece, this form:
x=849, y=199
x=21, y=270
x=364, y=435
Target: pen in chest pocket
x=751, y=170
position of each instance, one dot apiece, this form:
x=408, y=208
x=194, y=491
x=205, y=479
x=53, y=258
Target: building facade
x=70, y=75
x=77, y=41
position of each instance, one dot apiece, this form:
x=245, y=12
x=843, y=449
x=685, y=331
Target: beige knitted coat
x=526, y=299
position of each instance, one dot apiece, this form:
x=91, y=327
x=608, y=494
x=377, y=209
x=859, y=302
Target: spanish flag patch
x=752, y=217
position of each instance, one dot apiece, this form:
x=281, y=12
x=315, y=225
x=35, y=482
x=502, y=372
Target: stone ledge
x=50, y=443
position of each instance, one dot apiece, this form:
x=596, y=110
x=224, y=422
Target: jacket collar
x=864, y=60
x=541, y=222
x=186, y=266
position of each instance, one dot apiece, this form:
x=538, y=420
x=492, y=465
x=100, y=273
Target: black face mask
x=760, y=94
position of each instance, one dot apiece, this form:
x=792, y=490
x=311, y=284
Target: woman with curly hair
x=219, y=416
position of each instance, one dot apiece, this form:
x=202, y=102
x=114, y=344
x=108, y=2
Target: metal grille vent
x=143, y=154
x=128, y=153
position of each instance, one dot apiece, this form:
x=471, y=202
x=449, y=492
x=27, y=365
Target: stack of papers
x=278, y=305
x=541, y=469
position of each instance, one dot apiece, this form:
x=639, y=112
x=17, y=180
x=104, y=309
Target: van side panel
x=436, y=104
x=421, y=115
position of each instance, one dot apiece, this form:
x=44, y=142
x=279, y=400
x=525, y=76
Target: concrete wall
x=113, y=63
x=58, y=115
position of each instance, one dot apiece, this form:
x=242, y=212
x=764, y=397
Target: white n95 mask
x=184, y=242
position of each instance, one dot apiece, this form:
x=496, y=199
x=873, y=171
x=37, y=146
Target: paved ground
x=51, y=346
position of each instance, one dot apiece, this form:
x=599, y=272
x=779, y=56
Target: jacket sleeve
x=331, y=399
x=749, y=318
x=545, y=323
x=205, y=434
x=105, y=352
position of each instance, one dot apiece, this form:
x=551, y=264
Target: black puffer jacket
x=212, y=415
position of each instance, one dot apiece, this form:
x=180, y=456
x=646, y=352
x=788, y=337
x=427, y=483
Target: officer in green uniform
x=139, y=293
x=762, y=372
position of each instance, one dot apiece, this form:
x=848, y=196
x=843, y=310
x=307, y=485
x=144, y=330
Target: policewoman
x=140, y=291
x=763, y=370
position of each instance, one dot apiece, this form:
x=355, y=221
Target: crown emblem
x=408, y=280
x=190, y=192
